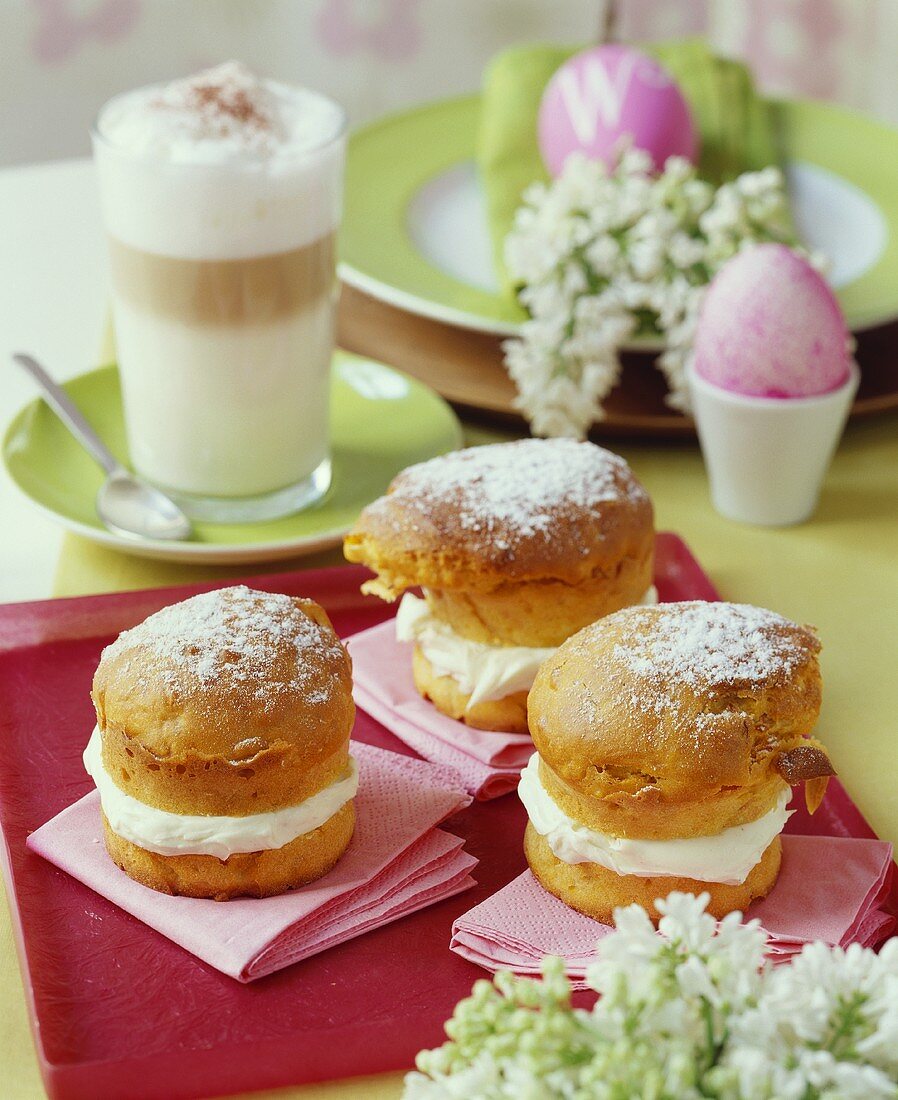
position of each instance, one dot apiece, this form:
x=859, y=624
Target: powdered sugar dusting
x=698, y=644
x=506, y=493
x=683, y=688
x=237, y=635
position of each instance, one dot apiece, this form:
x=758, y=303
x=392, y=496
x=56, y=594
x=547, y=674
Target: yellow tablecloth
x=838, y=571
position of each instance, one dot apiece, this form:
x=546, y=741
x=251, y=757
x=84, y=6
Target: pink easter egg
x=605, y=94
x=770, y=326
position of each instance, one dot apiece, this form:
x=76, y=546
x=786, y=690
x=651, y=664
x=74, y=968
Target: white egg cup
x=767, y=456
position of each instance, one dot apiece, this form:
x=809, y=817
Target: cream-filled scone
x=221, y=752
x=516, y=546
x=668, y=739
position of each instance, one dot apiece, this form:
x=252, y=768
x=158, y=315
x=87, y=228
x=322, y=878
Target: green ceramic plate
x=381, y=421
x=415, y=232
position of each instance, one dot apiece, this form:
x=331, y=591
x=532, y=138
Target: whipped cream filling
x=171, y=834
x=485, y=672
x=726, y=857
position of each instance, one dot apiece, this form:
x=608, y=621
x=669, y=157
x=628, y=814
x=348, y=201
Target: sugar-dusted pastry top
x=234, y=701
x=709, y=646
x=678, y=701
x=532, y=509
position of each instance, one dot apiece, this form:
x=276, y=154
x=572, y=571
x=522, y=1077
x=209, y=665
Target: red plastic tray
x=119, y=1011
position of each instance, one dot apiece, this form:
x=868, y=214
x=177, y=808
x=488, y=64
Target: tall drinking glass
x=223, y=292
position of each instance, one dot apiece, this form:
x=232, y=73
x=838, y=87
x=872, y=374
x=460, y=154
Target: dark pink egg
x=605, y=94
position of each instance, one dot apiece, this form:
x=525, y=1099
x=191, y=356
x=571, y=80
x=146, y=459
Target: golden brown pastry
x=667, y=738
x=221, y=751
x=516, y=546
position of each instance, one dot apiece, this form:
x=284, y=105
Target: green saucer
x=381, y=422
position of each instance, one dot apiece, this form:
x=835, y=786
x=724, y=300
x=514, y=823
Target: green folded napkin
x=733, y=121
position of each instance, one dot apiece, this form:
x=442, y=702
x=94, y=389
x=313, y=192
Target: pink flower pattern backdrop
x=67, y=56
x=62, y=26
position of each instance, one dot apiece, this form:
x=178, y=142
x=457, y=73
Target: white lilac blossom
x=602, y=254
x=690, y=1011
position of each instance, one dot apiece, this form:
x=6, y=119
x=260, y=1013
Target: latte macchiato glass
x=221, y=197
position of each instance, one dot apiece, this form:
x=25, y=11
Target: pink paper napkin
x=398, y=862
x=488, y=764
x=829, y=888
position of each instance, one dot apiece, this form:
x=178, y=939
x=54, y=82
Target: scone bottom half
x=237, y=705
x=506, y=715
x=674, y=723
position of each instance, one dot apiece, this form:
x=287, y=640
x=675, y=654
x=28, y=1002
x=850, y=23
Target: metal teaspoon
x=126, y=504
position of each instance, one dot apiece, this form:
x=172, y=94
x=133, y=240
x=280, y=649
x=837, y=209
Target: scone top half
x=234, y=702
x=680, y=720
x=515, y=543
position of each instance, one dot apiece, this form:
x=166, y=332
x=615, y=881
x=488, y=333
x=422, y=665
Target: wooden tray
x=466, y=368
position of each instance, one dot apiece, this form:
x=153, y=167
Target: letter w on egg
x=591, y=94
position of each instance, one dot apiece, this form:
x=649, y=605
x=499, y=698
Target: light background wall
x=62, y=58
